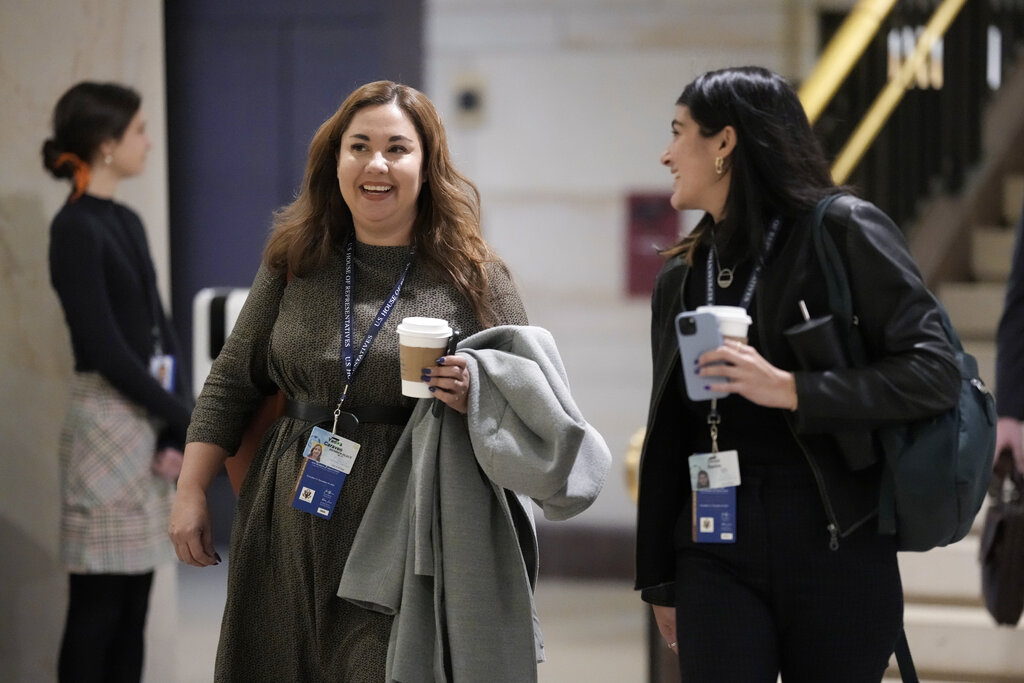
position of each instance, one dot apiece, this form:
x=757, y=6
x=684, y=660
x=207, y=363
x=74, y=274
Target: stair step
x=974, y=307
x=991, y=252
x=1013, y=193
x=948, y=575
x=951, y=643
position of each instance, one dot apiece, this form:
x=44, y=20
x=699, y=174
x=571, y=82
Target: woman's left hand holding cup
x=449, y=381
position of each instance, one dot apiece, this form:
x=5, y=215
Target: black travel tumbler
x=817, y=346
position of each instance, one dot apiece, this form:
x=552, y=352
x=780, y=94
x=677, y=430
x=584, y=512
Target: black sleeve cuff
x=663, y=594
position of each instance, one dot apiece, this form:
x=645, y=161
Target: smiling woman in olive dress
x=383, y=209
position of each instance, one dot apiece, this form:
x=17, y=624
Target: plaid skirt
x=114, y=510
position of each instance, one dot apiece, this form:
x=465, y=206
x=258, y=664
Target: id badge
x=161, y=367
x=327, y=460
x=714, y=470
x=714, y=515
x=713, y=479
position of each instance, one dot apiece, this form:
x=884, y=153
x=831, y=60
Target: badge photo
x=161, y=367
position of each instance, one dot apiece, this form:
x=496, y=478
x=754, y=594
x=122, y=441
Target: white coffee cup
x=421, y=341
x=733, y=321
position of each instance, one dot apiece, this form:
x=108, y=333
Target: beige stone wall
x=45, y=47
x=577, y=96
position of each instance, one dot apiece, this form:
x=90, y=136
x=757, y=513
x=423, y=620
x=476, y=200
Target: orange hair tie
x=81, y=172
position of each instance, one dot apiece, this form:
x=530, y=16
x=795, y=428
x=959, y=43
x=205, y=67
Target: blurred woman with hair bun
x=120, y=448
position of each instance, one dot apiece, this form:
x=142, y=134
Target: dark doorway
x=247, y=86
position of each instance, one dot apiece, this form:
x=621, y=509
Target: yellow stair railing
x=843, y=52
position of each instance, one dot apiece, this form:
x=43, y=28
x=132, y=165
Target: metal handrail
x=881, y=109
x=843, y=51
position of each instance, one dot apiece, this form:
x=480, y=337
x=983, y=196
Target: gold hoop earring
x=719, y=165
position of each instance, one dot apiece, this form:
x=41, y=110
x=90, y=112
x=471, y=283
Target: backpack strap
x=841, y=306
x=838, y=286
x=903, y=659
x=840, y=300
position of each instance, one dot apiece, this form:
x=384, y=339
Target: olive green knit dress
x=283, y=620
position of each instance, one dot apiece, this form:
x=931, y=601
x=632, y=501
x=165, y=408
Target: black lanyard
x=748, y=293
x=714, y=418
x=351, y=361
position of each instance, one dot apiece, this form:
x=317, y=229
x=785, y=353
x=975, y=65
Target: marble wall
x=45, y=47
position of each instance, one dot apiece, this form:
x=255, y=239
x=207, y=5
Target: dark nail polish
x=440, y=361
x=432, y=389
x=707, y=387
x=424, y=378
x=425, y=371
x=216, y=556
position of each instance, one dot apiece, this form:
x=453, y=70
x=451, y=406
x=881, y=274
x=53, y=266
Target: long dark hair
x=778, y=167
x=446, y=231
x=85, y=117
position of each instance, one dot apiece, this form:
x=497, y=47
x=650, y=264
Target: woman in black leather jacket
x=806, y=586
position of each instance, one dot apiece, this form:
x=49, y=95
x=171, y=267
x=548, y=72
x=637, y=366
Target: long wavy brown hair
x=446, y=232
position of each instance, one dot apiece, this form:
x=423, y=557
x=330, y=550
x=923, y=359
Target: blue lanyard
x=748, y=293
x=350, y=363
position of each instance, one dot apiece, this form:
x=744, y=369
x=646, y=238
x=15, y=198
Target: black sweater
x=102, y=271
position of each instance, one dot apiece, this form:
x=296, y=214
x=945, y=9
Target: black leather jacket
x=912, y=374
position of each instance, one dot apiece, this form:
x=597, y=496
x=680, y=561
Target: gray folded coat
x=448, y=543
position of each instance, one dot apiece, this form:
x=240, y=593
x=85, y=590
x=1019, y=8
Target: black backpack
x=937, y=470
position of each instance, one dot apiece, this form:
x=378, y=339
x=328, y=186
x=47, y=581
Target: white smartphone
x=697, y=333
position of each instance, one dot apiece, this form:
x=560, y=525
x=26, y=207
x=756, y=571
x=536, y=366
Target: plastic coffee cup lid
x=728, y=313
x=425, y=327
x=733, y=321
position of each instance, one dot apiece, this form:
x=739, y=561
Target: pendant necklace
x=724, y=278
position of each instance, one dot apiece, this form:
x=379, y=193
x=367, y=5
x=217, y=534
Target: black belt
x=317, y=414
x=348, y=420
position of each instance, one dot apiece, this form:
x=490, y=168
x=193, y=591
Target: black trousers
x=779, y=600
x=105, y=629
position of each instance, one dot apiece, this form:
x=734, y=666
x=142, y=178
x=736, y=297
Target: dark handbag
x=238, y=465
x=1002, y=545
